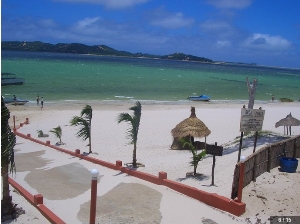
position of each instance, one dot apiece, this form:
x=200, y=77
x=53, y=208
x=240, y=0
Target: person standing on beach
x=37, y=100
x=15, y=100
x=273, y=97
x=42, y=103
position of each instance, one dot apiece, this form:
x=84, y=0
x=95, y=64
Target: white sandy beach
x=56, y=175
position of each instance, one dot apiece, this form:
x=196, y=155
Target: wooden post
x=213, y=169
x=295, y=147
x=255, y=140
x=269, y=160
x=251, y=92
x=241, y=182
x=240, y=148
x=254, y=168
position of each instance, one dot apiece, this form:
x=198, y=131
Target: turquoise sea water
x=61, y=77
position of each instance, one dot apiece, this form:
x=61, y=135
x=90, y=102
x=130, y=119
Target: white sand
x=109, y=143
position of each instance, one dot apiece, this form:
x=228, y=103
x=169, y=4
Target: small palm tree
x=8, y=142
x=58, y=133
x=196, y=157
x=40, y=133
x=85, y=122
x=135, y=123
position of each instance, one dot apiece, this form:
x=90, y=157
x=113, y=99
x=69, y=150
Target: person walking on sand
x=42, y=103
x=37, y=100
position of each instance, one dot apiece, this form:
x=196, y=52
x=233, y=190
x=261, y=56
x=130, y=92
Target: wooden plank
x=269, y=159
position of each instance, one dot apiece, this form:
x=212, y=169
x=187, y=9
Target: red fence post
x=94, y=173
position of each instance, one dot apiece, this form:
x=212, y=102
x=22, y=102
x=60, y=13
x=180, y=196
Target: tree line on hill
x=76, y=48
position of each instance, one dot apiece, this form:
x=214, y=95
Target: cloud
x=217, y=29
x=86, y=23
x=164, y=19
x=266, y=42
x=47, y=23
x=222, y=44
x=109, y=4
x=212, y=25
x=230, y=4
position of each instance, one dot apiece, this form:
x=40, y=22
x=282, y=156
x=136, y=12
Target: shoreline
x=159, y=102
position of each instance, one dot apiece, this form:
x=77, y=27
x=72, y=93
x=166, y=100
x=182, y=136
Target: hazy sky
x=266, y=32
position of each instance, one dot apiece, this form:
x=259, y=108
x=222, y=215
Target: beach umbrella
x=289, y=121
x=190, y=127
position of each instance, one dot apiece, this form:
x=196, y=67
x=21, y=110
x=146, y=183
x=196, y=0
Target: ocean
x=71, y=77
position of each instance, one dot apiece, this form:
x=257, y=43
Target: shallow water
x=70, y=77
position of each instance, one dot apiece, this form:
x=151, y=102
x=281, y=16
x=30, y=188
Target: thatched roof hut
x=288, y=122
x=191, y=127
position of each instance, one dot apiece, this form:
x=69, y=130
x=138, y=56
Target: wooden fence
x=264, y=160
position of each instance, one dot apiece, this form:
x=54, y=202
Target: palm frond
x=8, y=140
x=125, y=117
x=57, y=131
x=137, y=109
x=84, y=132
x=76, y=121
x=87, y=112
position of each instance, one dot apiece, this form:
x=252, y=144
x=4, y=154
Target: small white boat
x=199, y=98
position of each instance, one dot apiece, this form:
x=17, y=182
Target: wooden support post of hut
x=288, y=122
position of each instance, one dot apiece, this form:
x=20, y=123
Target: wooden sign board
x=210, y=149
x=251, y=119
x=214, y=150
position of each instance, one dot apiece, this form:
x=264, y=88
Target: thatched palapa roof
x=191, y=126
x=288, y=121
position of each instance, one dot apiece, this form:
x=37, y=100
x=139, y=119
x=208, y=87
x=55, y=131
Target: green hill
x=76, y=48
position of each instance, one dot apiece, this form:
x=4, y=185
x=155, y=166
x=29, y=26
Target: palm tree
x=85, y=122
x=196, y=157
x=8, y=142
x=135, y=123
x=58, y=133
x=41, y=133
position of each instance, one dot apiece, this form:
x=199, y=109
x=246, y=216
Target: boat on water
x=199, y=98
x=286, y=100
x=10, y=79
x=12, y=102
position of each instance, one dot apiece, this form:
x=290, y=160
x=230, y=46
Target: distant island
x=76, y=48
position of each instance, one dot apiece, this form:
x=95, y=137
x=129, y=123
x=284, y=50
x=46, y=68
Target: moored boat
x=286, y=100
x=12, y=102
x=10, y=79
x=199, y=98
